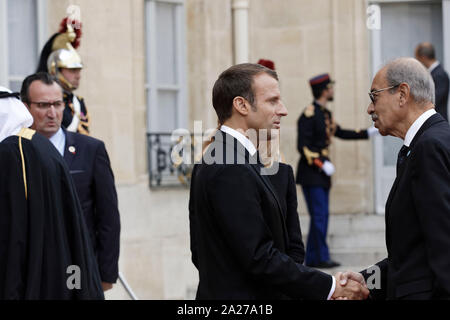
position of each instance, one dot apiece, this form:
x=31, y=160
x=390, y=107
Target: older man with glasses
x=418, y=206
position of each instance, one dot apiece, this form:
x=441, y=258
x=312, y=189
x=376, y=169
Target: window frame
x=152, y=87
x=41, y=34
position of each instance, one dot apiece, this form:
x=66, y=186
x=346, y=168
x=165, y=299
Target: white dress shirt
x=59, y=141
x=252, y=150
x=241, y=138
x=410, y=134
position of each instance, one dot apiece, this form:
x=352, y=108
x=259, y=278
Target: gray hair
x=412, y=72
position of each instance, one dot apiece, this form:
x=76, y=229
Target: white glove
x=372, y=131
x=328, y=168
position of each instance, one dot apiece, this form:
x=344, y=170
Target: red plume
x=76, y=27
x=267, y=63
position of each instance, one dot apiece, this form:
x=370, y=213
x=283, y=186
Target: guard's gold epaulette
x=309, y=111
x=80, y=97
x=26, y=133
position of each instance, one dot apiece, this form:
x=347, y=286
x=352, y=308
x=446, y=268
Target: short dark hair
x=426, y=49
x=41, y=76
x=233, y=82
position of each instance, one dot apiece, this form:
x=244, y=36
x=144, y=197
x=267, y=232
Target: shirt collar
x=410, y=134
x=59, y=140
x=249, y=146
x=433, y=66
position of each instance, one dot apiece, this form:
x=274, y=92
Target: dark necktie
x=402, y=154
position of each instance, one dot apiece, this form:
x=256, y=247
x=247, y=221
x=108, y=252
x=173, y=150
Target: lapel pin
x=409, y=151
x=72, y=149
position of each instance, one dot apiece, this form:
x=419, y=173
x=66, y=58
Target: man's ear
x=241, y=105
x=405, y=92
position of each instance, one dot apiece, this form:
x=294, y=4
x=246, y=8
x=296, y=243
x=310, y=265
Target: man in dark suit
x=239, y=240
x=89, y=166
x=418, y=206
x=425, y=53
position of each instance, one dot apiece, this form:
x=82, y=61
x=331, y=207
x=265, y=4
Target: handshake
x=350, y=286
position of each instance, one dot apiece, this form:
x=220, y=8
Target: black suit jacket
x=90, y=168
x=441, y=84
x=284, y=185
x=239, y=239
x=418, y=220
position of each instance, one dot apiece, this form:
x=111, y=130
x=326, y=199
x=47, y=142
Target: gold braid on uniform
x=310, y=155
x=24, y=173
x=27, y=134
x=330, y=127
x=83, y=126
x=84, y=123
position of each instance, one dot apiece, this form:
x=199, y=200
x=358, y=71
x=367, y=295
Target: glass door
x=403, y=26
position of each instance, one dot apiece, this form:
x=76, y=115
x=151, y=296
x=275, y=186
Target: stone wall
x=306, y=38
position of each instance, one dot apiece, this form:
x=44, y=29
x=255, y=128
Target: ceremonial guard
x=316, y=128
x=60, y=59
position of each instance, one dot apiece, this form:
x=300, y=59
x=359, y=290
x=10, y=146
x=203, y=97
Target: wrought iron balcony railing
x=163, y=172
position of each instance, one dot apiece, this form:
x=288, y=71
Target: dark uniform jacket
x=69, y=110
x=91, y=171
x=239, y=239
x=441, y=86
x=418, y=220
x=43, y=234
x=315, y=129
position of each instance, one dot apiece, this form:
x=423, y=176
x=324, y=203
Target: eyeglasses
x=372, y=94
x=46, y=105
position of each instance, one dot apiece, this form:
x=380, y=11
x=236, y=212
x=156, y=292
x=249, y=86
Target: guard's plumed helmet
x=59, y=51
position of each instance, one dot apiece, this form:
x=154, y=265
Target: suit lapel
x=241, y=155
x=70, y=148
x=267, y=183
x=255, y=164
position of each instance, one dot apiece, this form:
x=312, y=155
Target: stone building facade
x=302, y=37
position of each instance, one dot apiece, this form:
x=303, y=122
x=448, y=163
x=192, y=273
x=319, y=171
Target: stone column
x=240, y=24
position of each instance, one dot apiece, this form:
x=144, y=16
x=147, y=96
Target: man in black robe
x=45, y=250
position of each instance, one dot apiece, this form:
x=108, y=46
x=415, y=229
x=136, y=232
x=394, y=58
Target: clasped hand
x=350, y=286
